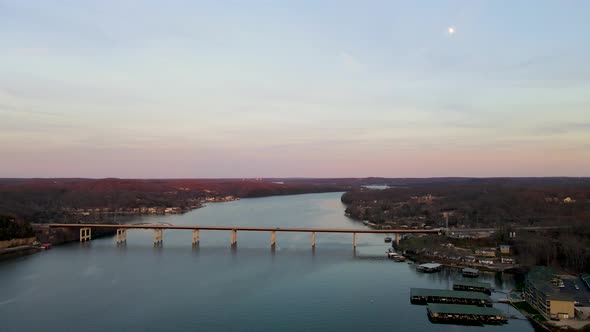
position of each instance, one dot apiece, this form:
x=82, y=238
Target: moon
x=451, y=30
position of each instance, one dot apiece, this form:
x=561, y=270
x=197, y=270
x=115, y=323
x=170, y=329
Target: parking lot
x=578, y=289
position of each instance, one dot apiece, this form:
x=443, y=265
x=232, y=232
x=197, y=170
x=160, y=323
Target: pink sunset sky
x=301, y=89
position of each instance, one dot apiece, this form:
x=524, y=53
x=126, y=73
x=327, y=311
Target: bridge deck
x=247, y=228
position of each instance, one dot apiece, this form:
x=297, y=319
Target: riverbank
x=57, y=236
x=13, y=252
x=43, y=234
x=17, y=247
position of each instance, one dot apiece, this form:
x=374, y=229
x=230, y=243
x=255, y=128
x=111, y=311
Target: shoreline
x=14, y=252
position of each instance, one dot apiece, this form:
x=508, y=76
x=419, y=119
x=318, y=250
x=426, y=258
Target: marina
x=425, y=296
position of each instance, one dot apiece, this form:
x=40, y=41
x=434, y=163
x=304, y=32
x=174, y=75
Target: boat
x=387, y=240
x=391, y=254
x=429, y=267
x=469, y=272
x=396, y=257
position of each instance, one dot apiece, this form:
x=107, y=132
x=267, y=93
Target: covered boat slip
x=424, y=296
x=472, y=286
x=469, y=272
x=429, y=267
x=465, y=314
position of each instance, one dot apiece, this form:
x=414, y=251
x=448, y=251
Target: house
x=542, y=291
x=469, y=259
x=506, y=260
x=486, y=261
x=485, y=252
x=569, y=200
x=424, y=199
x=505, y=248
x=172, y=210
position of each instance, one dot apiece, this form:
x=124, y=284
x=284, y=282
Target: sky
x=209, y=89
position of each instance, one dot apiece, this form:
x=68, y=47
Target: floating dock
x=425, y=296
x=465, y=314
x=429, y=267
x=472, y=286
x=470, y=273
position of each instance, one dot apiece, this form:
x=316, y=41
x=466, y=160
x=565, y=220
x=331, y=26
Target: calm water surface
x=101, y=287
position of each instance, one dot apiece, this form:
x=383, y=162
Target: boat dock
x=465, y=314
x=472, y=286
x=470, y=273
x=429, y=267
x=425, y=296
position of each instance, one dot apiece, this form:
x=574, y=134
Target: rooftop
x=430, y=265
x=544, y=279
x=425, y=292
x=463, y=309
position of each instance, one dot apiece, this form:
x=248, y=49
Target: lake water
x=99, y=286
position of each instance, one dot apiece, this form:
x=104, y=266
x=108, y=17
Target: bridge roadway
x=250, y=228
x=85, y=231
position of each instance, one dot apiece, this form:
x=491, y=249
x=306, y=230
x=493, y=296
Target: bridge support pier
x=196, y=237
x=397, y=238
x=273, y=239
x=121, y=235
x=234, y=237
x=85, y=234
x=354, y=240
x=313, y=240
x=158, y=237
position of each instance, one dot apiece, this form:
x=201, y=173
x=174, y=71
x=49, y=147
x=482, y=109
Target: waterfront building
x=543, y=291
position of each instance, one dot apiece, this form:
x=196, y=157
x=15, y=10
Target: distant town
x=144, y=210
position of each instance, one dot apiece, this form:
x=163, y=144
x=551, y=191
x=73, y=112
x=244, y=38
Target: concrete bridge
x=86, y=231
